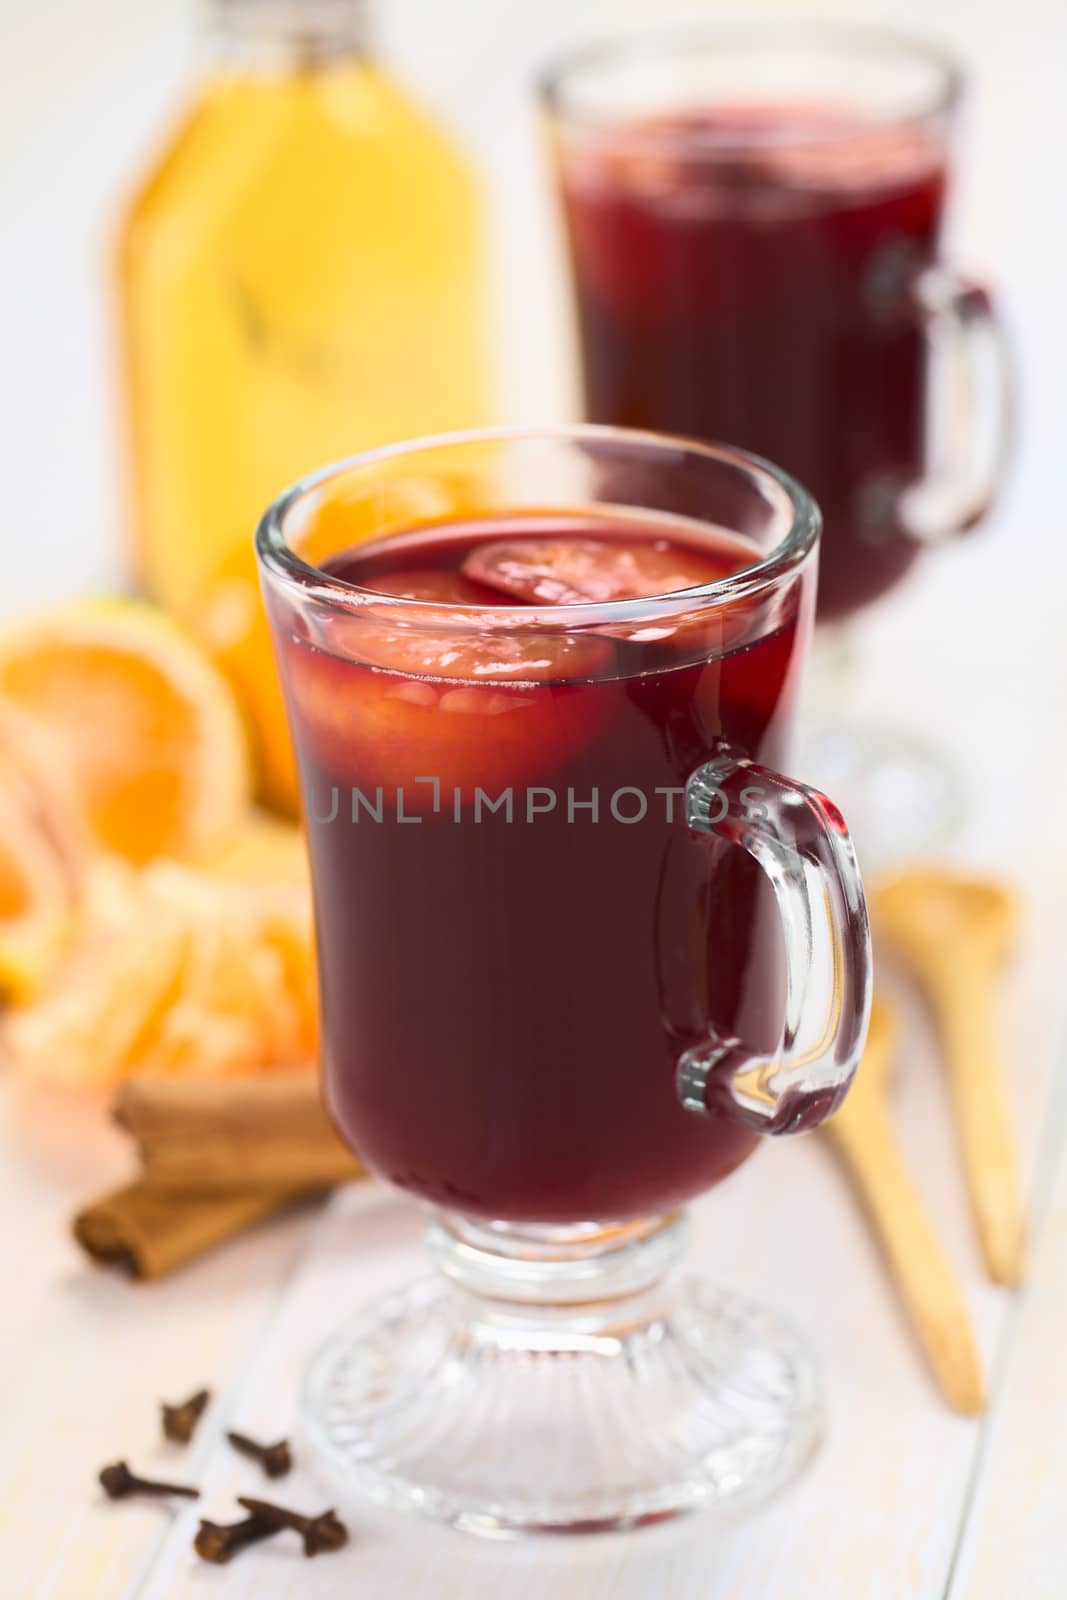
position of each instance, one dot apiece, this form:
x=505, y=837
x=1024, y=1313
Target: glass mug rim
x=679, y=39
x=794, y=510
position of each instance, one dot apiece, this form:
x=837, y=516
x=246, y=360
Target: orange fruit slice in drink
x=147, y=730
x=465, y=710
x=572, y=570
x=406, y=641
x=568, y=571
x=447, y=588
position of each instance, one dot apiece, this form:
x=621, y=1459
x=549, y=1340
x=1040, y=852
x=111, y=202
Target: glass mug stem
x=581, y=1273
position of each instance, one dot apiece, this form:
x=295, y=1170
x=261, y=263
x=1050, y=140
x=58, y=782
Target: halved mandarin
x=147, y=730
x=45, y=852
x=261, y=849
x=34, y=774
x=36, y=901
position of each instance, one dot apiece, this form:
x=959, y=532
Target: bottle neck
x=275, y=34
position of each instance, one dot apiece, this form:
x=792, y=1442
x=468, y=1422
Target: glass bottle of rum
x=302, y=276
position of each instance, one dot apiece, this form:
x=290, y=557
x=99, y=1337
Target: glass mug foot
x=562, y=1380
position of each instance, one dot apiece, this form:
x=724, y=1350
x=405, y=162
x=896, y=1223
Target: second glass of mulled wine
x=755, y=219
x=581, y=942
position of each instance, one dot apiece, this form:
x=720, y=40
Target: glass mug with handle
x=581, y=943
x=755, y=221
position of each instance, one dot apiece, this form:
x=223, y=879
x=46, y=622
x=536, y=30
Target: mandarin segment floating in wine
x=434, y=583
x=424, y=649
x=568, y=571
x=382, y=725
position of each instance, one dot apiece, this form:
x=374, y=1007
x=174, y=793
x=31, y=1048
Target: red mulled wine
x=743, y=275
x=518, y=933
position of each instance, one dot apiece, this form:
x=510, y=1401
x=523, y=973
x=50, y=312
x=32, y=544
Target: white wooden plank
x=921, y=1461
x=1013, y=1539
x=86, y=1355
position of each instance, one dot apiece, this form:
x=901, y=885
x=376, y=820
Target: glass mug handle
x=974, y=392
x=799, y=839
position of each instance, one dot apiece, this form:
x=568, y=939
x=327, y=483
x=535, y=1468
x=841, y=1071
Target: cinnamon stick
x=234, y=1134
x=150, y=1232
x=217, y=1156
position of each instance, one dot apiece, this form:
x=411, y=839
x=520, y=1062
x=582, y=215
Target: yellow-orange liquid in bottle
x=302, y=278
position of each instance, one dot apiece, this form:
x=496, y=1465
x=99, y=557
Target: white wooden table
x=905, y=1501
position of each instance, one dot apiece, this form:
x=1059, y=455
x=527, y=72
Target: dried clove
x=275, y=1459
x=179, y=1422
x=322, y=1533
x=220, y=1542
x=118, y=1481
